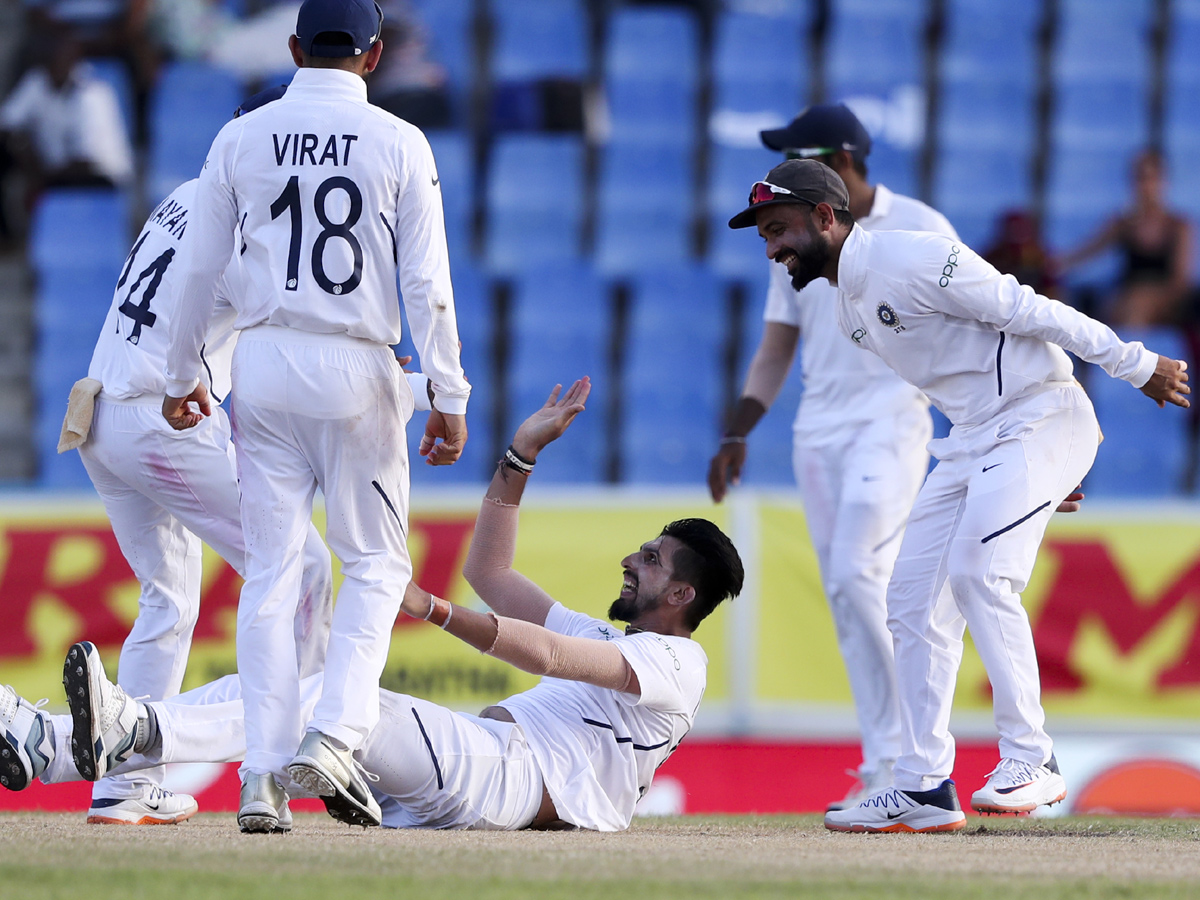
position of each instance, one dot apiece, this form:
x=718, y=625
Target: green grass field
x=46, y=855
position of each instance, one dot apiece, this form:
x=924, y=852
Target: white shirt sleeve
x=566, y=621
x=660, y=664
x=955, y=280
x=418, y=383
x=209, y=247
x=423, y=265
x=782, y=302
x=18, y=109
x=101, y=133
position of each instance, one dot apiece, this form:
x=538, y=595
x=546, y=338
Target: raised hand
x=549, y=422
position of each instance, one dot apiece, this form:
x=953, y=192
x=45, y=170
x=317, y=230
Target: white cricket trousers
x=432, y=768
x=967, y=554
x=329, y=411
x=164, y=492
x=857, y=494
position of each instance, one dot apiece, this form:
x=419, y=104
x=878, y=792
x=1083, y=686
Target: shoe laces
x=10, y=702
x=1014, y=771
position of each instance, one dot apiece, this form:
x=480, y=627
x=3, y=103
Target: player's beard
x=811, y=260
x=627, y=609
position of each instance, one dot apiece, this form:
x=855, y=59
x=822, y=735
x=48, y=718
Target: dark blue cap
x=262, y=98
x=820, y=130
x=359, y=21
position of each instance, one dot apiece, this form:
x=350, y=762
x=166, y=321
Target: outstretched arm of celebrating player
x=527, y=645
x=489, y=563
x=768, y=370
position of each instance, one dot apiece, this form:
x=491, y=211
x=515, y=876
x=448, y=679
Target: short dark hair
x=844, y=217
x=707, y=561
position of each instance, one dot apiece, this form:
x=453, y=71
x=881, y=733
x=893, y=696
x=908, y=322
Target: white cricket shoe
x=892, y=809
x=1016, y=787
x=869, y=782
x=104, y=718
x=264, y=806
x=154, y=806
x=333, y=775
x=26, y=740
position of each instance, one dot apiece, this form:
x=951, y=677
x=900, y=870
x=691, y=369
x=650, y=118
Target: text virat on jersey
x=304, y=146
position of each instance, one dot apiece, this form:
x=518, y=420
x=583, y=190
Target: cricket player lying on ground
x=579, y=749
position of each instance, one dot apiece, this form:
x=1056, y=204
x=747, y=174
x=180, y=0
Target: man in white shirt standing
x=577, y=750
x=860, y=436
x=74, y=132
x=332, y=199
x=989, y=353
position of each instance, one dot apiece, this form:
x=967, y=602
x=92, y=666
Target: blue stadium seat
x=973, y=187
x=874, y=45
x=456, y=174
x=1083, y=189
x=987, y=116
x=1145, y=448
x=79, y=228
x=1109, y=116
x=652, y=112
x=669, y=425
x=535, y=201
x=652, y=44
x=539, y=39
x=732, y=170
x=560, y=331
x=1103, y=41
x=645, y=207
x=191, y=103
x=988, y=43
x=778, y=80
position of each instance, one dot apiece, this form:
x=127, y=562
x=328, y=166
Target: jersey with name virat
x=131, y=351
x=973, y=340
x=336, y=201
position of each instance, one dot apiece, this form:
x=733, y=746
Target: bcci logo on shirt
x=888, y=317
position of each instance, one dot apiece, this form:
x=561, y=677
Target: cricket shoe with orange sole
x=894, y=810
x=1020, y=787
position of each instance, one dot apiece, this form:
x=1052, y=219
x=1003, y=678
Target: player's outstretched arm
x=1168, y=384
x=527, y=645
x=489, y=566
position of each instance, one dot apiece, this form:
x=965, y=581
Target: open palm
x=549, y=422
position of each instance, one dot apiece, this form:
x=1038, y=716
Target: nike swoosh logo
x=894, y=815
x=992, y=466
x=1009, y=790
x=436, y=181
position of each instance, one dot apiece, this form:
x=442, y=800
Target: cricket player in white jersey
x=860, y=436
x=333, y=199
x=989, y=353
x=579, y=749
x=165, y=490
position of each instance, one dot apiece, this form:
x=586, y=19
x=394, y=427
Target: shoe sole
x=994, y=809
x=898, y=828
x=12, y=772
x=262, y=825
x=98, y=819
x=313, y=777
x=78, y=683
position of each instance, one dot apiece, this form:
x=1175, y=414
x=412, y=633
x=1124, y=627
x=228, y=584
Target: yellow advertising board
x=1114, y=601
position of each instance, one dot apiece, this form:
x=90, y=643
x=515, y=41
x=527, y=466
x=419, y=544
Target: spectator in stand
x=1017, y=250
x=63, y=126
x=1155, y=244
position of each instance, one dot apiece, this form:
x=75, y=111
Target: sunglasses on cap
x=809, y=152
x=764, y=191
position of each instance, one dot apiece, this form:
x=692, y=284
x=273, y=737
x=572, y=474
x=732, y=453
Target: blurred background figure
x=63, y=126
x=1016, y=249
x=1155, y=246
x=408, y=83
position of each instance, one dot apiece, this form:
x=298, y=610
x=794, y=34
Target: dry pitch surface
x=45, y=855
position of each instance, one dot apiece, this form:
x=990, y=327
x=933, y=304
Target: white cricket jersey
x=844, y=388
x=131, y=353
x=972, y=339
x=597, y=748
x=334, y=198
